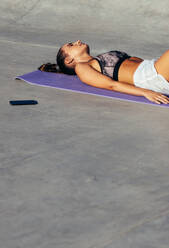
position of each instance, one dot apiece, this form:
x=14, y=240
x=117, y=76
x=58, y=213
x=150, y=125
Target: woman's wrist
x=145, y=91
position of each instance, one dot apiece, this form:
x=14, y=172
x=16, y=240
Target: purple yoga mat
x=73, y=83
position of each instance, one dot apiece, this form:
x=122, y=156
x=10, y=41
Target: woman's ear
x=68, y=60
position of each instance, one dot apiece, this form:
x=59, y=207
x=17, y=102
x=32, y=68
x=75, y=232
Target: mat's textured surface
x=73, y=83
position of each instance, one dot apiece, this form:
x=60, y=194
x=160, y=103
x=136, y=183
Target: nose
x=78, y=42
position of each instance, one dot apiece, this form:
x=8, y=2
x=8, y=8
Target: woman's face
x=76, y=48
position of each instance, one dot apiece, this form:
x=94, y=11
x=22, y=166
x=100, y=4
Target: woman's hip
x=147, y=77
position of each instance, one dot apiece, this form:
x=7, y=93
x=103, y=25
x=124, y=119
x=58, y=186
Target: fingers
x=156, y=101
x=162, y=99
x=156, y=97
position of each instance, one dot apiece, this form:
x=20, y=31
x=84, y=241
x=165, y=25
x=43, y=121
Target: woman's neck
x=85, y=58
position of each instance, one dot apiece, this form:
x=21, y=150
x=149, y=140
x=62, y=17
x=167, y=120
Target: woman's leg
x=162, y=65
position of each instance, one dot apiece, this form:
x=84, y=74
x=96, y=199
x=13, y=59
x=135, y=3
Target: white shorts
x=147, y=77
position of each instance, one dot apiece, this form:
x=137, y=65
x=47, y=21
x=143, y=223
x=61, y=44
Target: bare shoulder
x=89, y=75
x=92, y=64
x=82, y=68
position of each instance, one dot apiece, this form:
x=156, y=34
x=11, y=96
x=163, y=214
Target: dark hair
x=60, y=67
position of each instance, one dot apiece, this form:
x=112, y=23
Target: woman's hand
x=156, y=97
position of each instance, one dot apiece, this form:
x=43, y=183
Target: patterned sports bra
x=110, y=62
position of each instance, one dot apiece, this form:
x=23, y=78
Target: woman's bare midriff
x=126, y=70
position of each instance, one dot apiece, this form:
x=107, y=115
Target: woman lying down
x=115, y=70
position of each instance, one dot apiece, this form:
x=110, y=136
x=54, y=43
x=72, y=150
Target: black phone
x=23, y=102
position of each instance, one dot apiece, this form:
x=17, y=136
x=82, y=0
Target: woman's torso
x=126, y=69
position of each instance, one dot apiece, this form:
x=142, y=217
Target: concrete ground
x=81, y=171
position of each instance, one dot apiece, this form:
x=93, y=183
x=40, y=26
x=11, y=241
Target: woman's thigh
x=162, y=65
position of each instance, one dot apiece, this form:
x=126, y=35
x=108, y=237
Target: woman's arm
x=89, y=75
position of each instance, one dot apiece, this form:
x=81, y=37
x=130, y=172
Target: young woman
x=115, y=70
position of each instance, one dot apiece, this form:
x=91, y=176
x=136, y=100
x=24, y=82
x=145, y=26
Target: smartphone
x=23, y=102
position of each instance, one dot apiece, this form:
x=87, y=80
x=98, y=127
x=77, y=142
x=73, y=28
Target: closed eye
x=70, y=44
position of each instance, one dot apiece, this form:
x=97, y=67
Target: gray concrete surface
x=81, y=171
